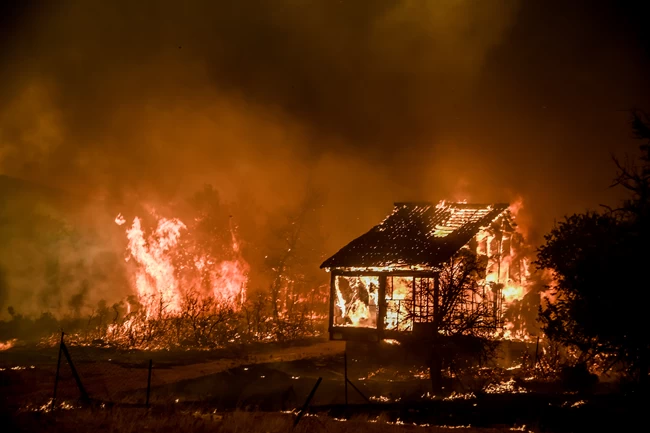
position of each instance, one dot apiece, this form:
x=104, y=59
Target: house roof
x=419, y=234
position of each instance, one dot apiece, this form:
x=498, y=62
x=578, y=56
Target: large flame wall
x=165, y=267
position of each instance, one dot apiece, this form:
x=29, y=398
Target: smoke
x=123, y=104
x=142, y=95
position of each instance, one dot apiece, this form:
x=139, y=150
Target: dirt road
x=193, y=371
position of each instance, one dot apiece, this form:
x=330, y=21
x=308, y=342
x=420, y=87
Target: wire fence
x=81, y=375
x=259, y=381
x=84, y=375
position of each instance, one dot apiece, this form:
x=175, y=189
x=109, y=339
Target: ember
x=47, y=407
x=504, y=387
x=460, y=396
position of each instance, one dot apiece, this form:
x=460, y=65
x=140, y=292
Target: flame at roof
x=417, y=235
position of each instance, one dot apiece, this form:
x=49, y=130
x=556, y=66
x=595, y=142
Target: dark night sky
x=374, y=101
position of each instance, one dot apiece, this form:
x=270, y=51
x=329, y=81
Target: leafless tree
x=462, y=317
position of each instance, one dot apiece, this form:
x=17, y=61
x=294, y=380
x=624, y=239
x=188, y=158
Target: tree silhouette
x=600, y=259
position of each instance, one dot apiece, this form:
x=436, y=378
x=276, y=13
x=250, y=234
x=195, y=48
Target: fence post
x=309, y=397
x=149, y=383
x=348, y=381
x=58, y=368
x=345, y=370
x=359, y=392
x=75, y=374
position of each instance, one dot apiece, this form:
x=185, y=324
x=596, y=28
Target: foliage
x=600, y=301
x=459, y=335
x=301, y=319
x=204, y=323
x=459, y=287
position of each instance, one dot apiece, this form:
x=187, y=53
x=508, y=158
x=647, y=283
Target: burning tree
x=191, y=281
x=173, y=258
x=298, y=300
x=599, y=302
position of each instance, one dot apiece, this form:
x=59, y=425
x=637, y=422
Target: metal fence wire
x=104, y=376
x=85, y=374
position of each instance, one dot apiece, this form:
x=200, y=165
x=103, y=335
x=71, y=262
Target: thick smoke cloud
x=117, y=93
x=367, y=102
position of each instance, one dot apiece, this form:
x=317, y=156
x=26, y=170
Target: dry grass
x=139, y=420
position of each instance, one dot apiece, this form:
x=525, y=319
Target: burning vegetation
x=193, y=296
x=447, y=282
x=101, y=238
x=190, y=282
x=166, y=268
x=456, y=267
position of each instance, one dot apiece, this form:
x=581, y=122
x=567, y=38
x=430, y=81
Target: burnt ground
x=273, y=378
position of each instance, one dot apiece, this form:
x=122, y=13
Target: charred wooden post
x=149, y=383
x=436, y=303
x=345, y=372
x=435, y=369
x=382, y=306
x=58, y=369
x=414, y=297
x=332, y=297
x=75, y=374
x=306, y=404
x=349, y=382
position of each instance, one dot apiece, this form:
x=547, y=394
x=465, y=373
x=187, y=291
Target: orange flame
x=157, y=280
x=513, y=293
x=155, y=276
x=355, y=312
x=506, y=281
x=7, y=344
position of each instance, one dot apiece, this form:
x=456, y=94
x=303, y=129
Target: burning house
x=391, y=282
